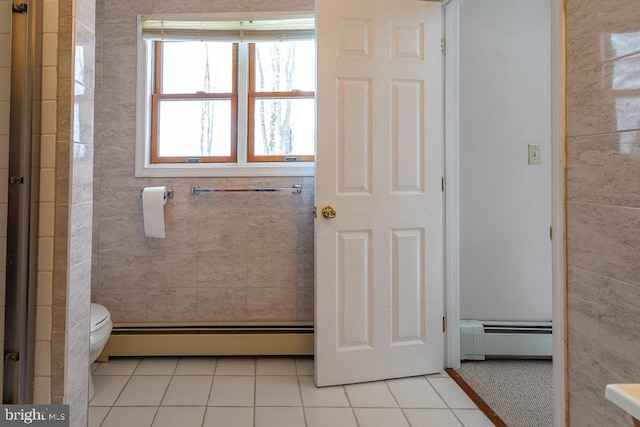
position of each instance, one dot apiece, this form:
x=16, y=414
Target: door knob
x=328, y=212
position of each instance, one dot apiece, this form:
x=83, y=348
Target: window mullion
x=243, y=102
x=157, y=81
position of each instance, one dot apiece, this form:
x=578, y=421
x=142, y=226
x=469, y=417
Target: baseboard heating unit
x=210, y=340
x=482, y=339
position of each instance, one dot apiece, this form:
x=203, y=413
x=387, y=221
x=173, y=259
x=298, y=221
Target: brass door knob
x=328, y=212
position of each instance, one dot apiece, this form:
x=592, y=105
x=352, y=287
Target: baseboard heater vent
x=227, y=340
x=482, y=339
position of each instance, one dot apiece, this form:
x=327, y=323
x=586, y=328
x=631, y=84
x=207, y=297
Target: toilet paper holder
x=167, y=194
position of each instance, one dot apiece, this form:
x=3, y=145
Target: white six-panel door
x=379, y=286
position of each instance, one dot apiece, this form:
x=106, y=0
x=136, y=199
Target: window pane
x=195, y=66
x=285, y=66
x=284, y=127
x=194, y=128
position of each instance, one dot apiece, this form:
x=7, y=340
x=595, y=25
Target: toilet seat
x=99, y=315
x=101, y=327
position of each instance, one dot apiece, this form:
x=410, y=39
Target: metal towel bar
x=295, y=189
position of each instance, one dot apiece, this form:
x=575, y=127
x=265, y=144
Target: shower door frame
x=22, y=212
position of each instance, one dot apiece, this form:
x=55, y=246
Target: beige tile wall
x=603, y=197
x=227, y=257
x=81, y=203
x=69, y=165
x=5, y=82
x=46, y=213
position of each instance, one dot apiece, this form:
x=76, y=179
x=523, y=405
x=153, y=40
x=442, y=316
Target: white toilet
x=100, y=331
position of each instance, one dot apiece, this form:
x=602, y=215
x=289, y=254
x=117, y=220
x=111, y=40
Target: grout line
x=397, y=402
x=213, y=376
x=156, y=413
x=353, y=411
x=304, y=413
x=391, y=393
x=440, y=396
x=121, y=390
x=255, y=390
x=105, y=416
x=215, y=366
x=437, y=393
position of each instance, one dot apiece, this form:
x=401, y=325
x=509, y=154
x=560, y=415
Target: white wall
x=505, y=203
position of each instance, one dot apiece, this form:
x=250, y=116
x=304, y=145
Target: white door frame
x=451, y=15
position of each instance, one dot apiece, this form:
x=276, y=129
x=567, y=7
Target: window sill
x=225, y=170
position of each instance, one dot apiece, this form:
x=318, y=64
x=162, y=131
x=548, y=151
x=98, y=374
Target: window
x=281, y=101
x=225, y=98
x=194, y=114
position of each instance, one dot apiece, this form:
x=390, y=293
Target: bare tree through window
x=275, y=115
x=207, y=110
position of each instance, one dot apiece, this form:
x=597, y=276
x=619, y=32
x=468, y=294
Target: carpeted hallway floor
x=519, y=391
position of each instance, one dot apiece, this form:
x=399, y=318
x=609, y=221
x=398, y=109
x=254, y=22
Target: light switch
x=535, y=154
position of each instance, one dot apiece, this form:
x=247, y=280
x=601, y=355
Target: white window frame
x=242, y=167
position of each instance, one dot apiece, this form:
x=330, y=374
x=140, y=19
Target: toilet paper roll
x=153, y=202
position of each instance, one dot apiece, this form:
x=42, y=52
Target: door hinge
x=20, y=8
x=443, y=45
x=314, y=212
x=444, y=325
x=16, y=180
x=443, y=184
x=550, y=233
x=13, y=356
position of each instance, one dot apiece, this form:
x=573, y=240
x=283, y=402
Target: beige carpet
x=519, y=391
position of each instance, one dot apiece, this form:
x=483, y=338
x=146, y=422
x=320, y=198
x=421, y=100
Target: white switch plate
x=535, y=154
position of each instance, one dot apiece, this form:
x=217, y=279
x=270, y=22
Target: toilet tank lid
x=98, y=315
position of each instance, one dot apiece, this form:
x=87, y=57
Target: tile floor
x=266, y=392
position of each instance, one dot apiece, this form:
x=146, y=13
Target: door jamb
x=558, y=219
x=451, y=15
